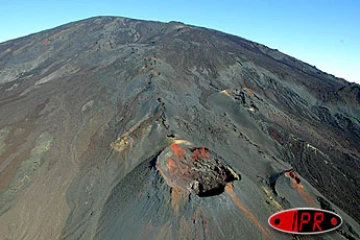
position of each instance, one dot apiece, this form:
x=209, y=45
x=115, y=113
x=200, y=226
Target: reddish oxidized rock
x=195, y=170
x=292, y=174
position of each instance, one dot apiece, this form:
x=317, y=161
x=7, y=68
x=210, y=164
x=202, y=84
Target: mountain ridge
x=118, y=127
x=266, y=48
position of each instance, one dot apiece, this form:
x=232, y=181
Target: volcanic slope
x=114, y=128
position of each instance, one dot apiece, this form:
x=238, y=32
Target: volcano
x=115, y=128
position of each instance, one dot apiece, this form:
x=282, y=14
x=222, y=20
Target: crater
x=196, y=170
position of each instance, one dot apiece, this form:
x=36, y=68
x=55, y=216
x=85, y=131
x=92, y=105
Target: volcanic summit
x=115, y=128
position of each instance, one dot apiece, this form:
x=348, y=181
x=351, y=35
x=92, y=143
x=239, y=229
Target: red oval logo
x=305, y=221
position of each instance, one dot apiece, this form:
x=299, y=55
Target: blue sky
x=324, y=33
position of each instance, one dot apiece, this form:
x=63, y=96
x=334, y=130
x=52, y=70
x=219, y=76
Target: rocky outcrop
x=195, y=170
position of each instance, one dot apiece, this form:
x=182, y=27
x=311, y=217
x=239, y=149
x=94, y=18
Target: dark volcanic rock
x=114, y=128
x=196, y=171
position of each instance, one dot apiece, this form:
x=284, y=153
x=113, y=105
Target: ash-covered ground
x=114, y=128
